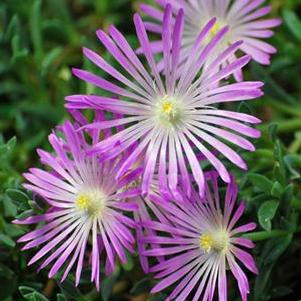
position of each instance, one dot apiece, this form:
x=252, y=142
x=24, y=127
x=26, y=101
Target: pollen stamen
x=218, y=25
x=214, y=30
x=168, y=110
x=167, y=107
x=206, y=242
x=83, y=202
x=218, y=241
x=91, y=203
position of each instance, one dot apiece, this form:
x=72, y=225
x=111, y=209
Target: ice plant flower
x=244, y=18
x=86, y=203
x=174, y=116
x=201, y=242
x=145, y=206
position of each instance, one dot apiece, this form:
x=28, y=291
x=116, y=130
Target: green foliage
x=266, y=213
x=40, y=41
x=107, y=285
x=31, y=294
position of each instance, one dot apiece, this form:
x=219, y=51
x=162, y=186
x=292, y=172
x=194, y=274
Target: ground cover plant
x=158, y=159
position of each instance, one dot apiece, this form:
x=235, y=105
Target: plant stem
x=262, y=235
x=286, y=126
x=292, y=110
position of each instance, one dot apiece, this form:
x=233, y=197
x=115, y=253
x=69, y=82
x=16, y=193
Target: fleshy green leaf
x=31, y=294
x=266, y=214
x=35, y=29
x=273, y=127
x=277, y=190
x=49, y=60
x=293, y=23
x=261, y=182
x=61, y=297
x=107, y=285
x=6, y=240
x=277, y=248
x=17, y=195
x=142, y=286
x=70, y=290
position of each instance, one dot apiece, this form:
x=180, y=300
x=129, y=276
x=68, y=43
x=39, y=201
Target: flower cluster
x=146, y=170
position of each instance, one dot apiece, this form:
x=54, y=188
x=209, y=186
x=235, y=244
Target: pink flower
x=172, y=117
x=200, y=242
x=85, y=202
x=244, y=18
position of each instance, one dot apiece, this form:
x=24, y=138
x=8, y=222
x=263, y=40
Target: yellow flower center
x=91, y=203
x=206, y=242
x=218, y=25
x=167, y=107
x=214, y=30
x=218, y=241
x=168, y=110
x=83, y=202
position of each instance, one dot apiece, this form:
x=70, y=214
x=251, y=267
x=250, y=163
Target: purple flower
x=200, y=242
x=85, y=201
x=143, y=214
x=242, y=16
x=174, y=118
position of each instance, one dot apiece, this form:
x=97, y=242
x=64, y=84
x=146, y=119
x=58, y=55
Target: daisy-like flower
x=175, y=118
x=200, y=242
x=145, y=206
x=244, y=18
x=143, y=203
x=86, y=203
